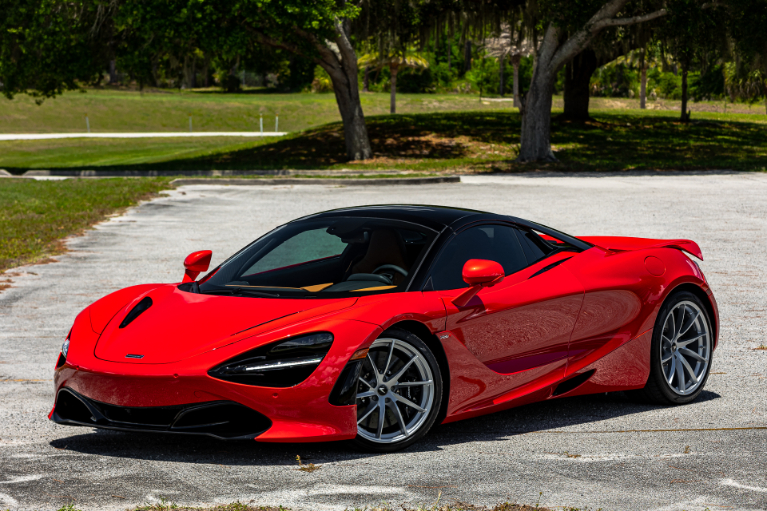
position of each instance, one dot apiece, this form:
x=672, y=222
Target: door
x=522, y=326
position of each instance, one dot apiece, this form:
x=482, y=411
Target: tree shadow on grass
x=403, y=138
x=536, y=418
x=625, y=142
x=486, y=141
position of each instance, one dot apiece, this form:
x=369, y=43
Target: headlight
x=281, y=364
x=64, y=350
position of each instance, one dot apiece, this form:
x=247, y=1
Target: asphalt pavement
x=591, y=452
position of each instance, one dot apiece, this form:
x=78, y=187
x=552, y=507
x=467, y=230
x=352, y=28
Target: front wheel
x=399, y=392
x=682, y=348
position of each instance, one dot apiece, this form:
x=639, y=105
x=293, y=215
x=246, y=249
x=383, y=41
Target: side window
x=493, y=242
x=535, y=248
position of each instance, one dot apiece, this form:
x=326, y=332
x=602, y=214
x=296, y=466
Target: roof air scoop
x=136, y=311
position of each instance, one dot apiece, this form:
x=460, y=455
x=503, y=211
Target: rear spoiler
x=621, y=244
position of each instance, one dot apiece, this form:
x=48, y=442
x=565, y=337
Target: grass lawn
x=113, y=110
x=470, y=141
x=20, y=155
x=130, y=111
x=36, y=215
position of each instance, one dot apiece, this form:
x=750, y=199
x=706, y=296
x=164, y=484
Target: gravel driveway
x=597, y=452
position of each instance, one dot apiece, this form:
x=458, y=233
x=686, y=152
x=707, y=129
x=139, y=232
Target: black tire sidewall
x=416, y=342
x=656, y=371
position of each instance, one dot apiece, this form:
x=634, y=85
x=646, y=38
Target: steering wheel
x=391, y=267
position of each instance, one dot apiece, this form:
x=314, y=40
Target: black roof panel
x=434, y=217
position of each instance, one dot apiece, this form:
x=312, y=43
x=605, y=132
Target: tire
x=669, y=346
x=410, y=404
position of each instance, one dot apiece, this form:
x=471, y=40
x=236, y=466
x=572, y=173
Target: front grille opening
x=225, y=420
x=573, y=383
x=220, y=419
x=69, y=407
x=148, y=416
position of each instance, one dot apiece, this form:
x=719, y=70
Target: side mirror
x=478, y=273
x=196, y=263
x=482, y=272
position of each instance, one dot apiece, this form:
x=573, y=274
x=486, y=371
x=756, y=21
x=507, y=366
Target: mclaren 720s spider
x=371, y=324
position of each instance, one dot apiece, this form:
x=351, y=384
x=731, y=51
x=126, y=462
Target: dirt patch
x=237, y=506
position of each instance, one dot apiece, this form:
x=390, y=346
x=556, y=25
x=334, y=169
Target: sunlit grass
x=434, y=133
x=36, y=215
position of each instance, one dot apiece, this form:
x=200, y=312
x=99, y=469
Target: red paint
x=517, y=332
x=512, y=341
x=620, y=244
x=478, y=274
x=655, y=266
x=196, y=263
x=102, y=311
x=206, y=321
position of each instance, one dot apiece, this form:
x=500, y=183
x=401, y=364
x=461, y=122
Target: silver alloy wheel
x=395, y=392
x=685, y=348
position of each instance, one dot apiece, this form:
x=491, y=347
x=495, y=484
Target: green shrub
x=667, y=85
x=708, y=84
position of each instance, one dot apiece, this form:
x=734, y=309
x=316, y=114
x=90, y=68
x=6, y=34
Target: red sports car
x=374, y=323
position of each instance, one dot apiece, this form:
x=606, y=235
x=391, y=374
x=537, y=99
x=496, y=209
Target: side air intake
x=573, y=383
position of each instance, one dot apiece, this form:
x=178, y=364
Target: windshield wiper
x=242, y=291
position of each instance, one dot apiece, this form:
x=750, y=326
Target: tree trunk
x=535, y=143
x=393, y=101
x=467, y=56
x=643, y=88
x=515, y=62
x=578, y=74
x=552, y=54
x=154, y=73
x=500, y=67
x=350, y=108
x=340, y=62
x=685, y=117
x=112, y=72
x=366, y=80
x=193, y=74
x=536, y=118
x=449, y=55
x=206, y=71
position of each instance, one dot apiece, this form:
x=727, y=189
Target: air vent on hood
x=136, y=311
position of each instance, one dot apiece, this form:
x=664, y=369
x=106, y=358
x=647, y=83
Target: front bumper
x=225, y=420
x=182, y=398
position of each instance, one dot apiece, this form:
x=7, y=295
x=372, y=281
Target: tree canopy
x=50, y=46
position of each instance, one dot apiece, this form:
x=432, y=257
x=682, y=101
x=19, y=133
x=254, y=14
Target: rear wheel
x=681, y=354
x=398, y=394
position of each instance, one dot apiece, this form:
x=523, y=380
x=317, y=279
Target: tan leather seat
x=385, y=247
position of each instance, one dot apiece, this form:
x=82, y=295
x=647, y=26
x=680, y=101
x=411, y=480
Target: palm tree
x=747, y=84
x=394, y=61
x=648, y=57
x=514, y=46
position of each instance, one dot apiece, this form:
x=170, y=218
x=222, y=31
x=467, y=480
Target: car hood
x=179, y=324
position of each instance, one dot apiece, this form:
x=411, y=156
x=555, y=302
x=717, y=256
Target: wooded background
x=679, y=49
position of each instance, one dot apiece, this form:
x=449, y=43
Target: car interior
x=373, y=256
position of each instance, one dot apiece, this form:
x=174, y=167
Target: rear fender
x=624, y=244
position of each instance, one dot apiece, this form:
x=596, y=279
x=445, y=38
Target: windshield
x=348, y=255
